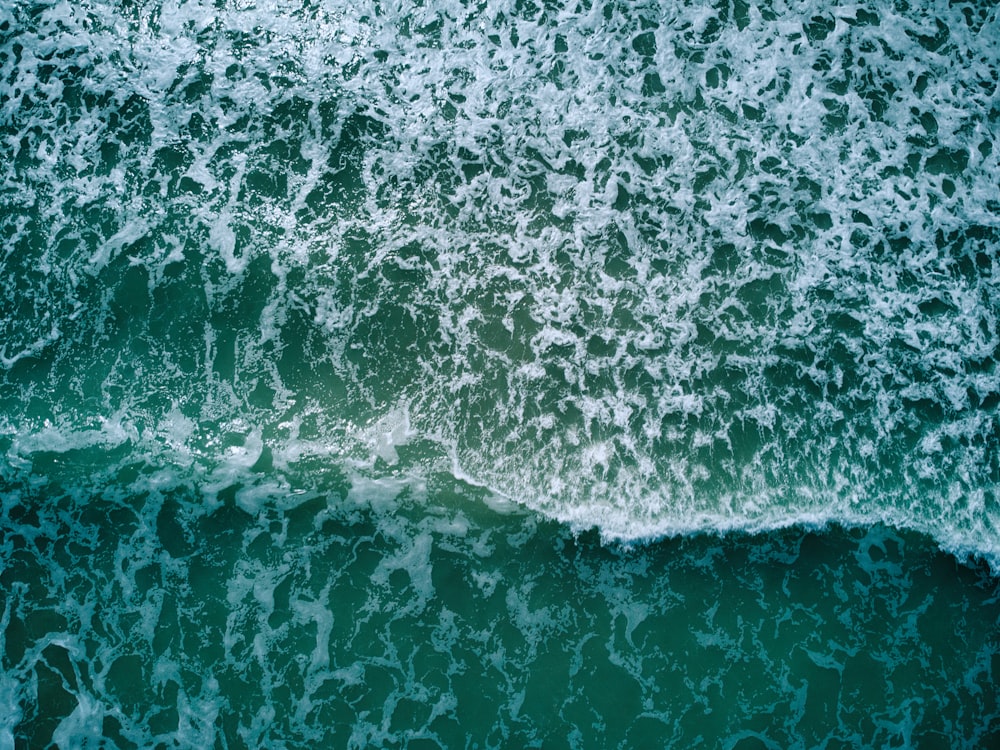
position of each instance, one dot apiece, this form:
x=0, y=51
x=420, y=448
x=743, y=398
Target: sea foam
x=655, y=270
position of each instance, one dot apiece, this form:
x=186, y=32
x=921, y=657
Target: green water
x=335, y=624
x=499, y=374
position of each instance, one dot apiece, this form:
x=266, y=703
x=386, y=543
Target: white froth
x=653, y=271
x=81, y=727
x=9, y=705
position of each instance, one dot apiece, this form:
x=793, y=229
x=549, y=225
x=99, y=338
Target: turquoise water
x=499, y=374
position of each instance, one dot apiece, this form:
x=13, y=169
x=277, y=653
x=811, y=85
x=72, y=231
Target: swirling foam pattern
x=296, y=296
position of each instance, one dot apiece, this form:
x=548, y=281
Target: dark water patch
x=369, y=620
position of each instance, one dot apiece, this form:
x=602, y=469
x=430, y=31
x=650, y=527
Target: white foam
x=638, y=309
x=82, y=727
x=10, y=707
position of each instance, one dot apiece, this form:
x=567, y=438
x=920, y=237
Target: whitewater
x=313, y=315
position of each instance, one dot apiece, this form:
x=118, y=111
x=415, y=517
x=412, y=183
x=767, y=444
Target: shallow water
x=500, y=373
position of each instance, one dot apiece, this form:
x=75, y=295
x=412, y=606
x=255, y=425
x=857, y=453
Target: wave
x=652, y=270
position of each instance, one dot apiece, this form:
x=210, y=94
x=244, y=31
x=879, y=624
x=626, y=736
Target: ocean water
x=499, y=374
